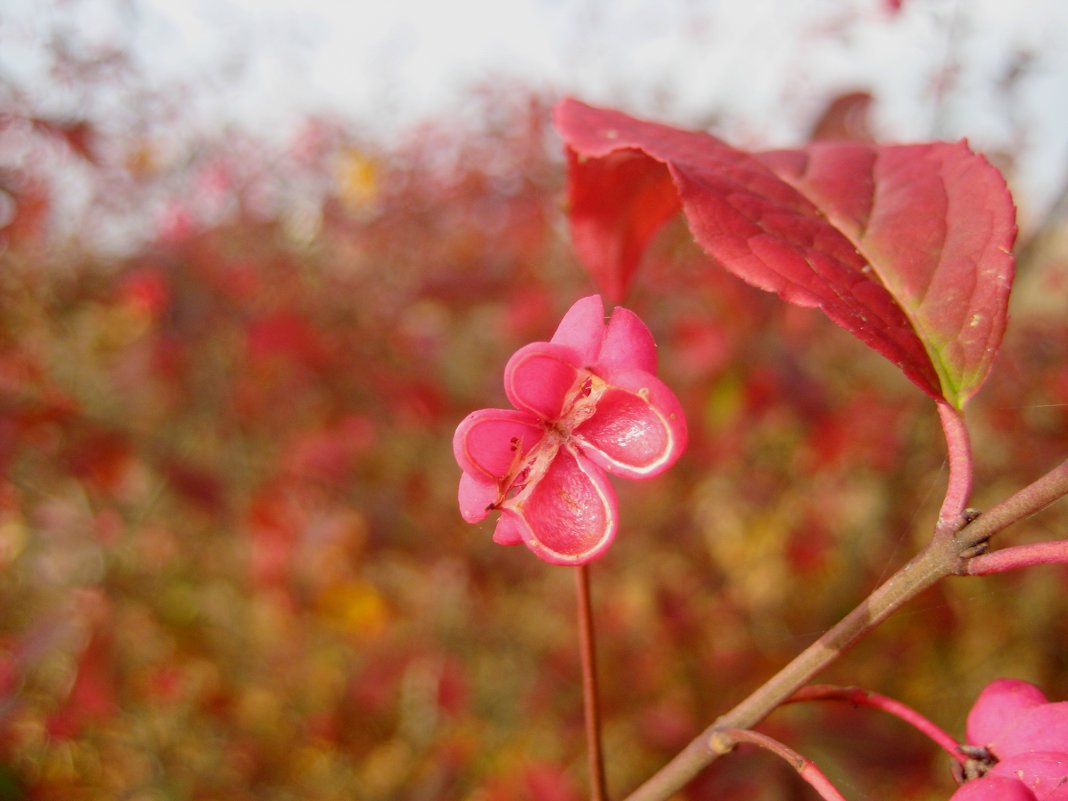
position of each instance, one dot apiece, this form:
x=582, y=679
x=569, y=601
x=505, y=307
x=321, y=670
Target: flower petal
x=582, y=328
x=489, y=442
x=569, y=514
x=628, y=342
x=997, y=706
x=1040, y=728
x=476, y=498
x=638, y=429
x=1042, y=772
x=994, y=788
x=509, y=529
x=539, y=376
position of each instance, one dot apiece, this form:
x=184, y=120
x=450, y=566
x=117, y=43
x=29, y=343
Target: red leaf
x=906, y=247
x=635, y=196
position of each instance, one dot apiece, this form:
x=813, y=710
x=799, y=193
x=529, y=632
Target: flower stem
x=805, y=767
x=862, y=697
x=590, y=704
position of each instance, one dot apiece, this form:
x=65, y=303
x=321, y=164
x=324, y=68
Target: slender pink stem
x=959, y=487
x=862, y=697
x=806, y=768
x=1038, y=553
x=590, y=704
x=1022, y=504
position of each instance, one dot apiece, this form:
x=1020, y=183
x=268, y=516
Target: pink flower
x=587, y=404
x=1023, y=738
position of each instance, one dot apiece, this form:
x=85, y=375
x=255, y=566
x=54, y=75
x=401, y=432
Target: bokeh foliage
x=231, y=564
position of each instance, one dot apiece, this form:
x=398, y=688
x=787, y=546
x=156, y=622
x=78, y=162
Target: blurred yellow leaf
x=354, y=606
x=357, y=180
x=12, y=539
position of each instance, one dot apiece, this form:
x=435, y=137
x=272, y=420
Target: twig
x=806, y=768
x=862, y=697
x=1038, y=553
x=1035, y=496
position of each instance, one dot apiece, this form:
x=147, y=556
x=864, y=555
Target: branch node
x=975, y=550
x=721, y=743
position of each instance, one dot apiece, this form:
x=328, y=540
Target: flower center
x=580, y=404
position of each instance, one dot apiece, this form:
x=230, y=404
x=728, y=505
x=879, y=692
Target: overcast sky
x=766, y=66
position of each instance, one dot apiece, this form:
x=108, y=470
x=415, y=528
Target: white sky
x=765, y=66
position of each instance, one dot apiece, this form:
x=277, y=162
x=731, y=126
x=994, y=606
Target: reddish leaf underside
x=906, y=247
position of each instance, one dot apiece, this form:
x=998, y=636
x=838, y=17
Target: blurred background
x=258, y=259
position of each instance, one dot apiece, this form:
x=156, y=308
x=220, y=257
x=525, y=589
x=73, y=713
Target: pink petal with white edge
x=638, y=429
x=509, y=530
x=476, y=498
x=628, y=342
x=994, y=788
x=997, y=707
x=1044, y=773
x=569, y=515
x=582, y=328
x=487, y=443
x=538, y=377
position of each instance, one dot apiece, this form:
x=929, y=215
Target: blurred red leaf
x=285, y=334
x=330, y=455
x=534, y=781
x=198, y=486
x=92, y=696
x=101, y=459
x=75, y=134
x=275, y=523
x=9, y=677
x=845, y=117
x=24, y=209
x=146, y=290
x=906, y=247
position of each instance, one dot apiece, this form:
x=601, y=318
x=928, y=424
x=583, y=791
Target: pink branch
x=959, y=487
x=861, y=697
x=806, y=768
x=1039, y=553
